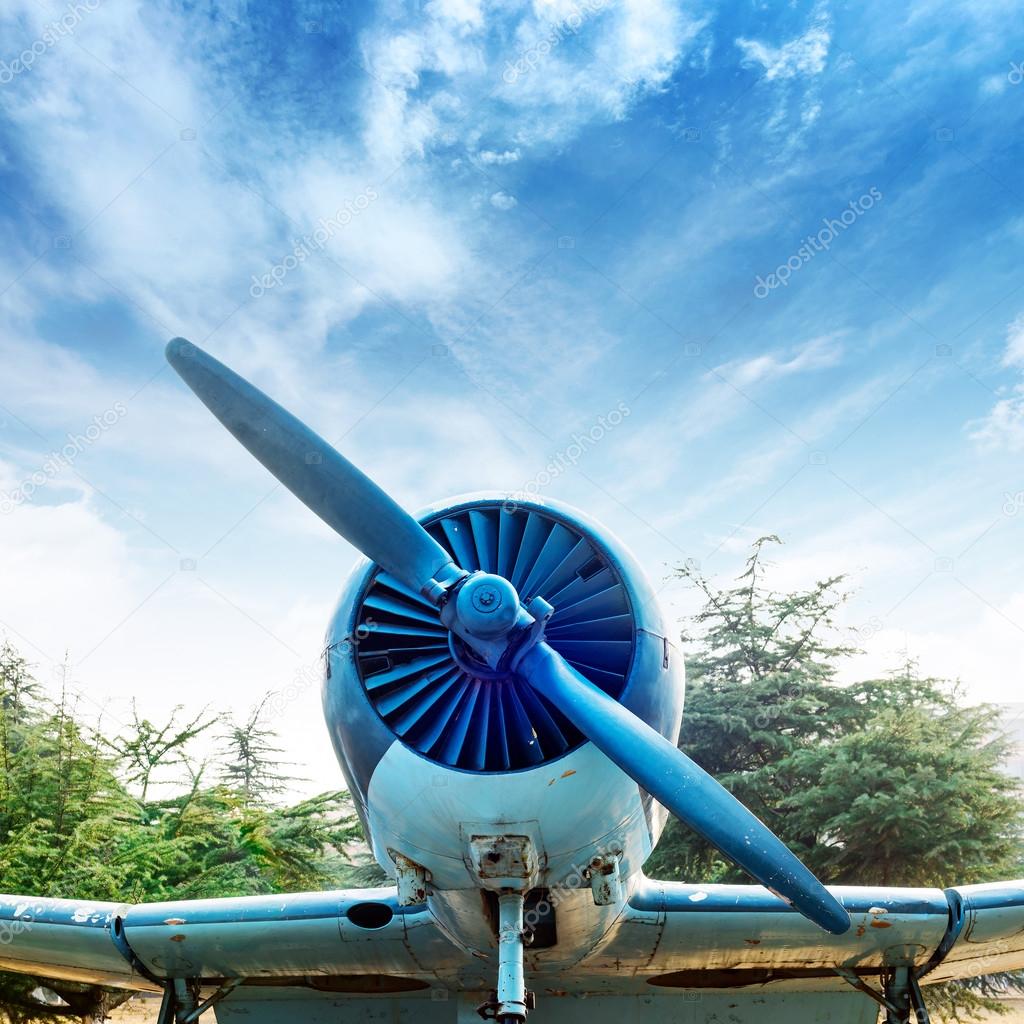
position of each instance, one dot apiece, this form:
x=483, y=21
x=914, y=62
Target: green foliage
x=887, y=781
x=147, y=749
x=87, y=817
x=911, y=796
x=250, y=762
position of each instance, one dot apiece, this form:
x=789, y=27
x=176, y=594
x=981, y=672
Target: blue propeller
x=681, y=785
x=321, y=478
x=484, y=612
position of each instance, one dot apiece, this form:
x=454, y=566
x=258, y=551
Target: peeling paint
x=178, y=938
x=175, y=920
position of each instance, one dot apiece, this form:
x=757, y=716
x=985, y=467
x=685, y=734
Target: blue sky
x=454, y=235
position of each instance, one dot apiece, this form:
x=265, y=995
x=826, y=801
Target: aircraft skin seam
x=121, y=944
x=662, y=921
x=957, y=923
x=411, y=950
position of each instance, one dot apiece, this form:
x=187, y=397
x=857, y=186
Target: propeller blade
x=322, y=479
x=682, y=786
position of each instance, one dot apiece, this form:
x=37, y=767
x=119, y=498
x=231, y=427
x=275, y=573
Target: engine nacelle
x=440, y=750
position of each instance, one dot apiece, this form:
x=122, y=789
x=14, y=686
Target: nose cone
x=488, y=605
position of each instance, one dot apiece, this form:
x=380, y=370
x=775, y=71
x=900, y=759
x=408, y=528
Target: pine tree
x=148, y=749
x=250, y=762
x=888, y=781
x=19, y=690
x=760, y=685
x=914, y=795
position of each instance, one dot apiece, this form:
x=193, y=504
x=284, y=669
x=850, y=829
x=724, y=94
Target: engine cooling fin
x=480, y=721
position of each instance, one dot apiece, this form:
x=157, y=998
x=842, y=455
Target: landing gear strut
x=901, y=995
x=511, y=1008
x=510, y=1002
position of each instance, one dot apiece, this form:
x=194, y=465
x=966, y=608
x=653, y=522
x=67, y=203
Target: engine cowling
x=416, y=719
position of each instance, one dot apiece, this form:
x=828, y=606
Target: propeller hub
x=487, y=605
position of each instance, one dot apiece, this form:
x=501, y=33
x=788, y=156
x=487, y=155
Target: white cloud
x=438, y=79
x=816, y=354
x=503, y=201
x=794, y=68
x=65, y=568
x=724, y=390
x=803, y=56
x=490, y=156
x=1014, y=354
x=761, y=472
x=466, y=13
x=718, y=399
x=172, y=231
x=179, y=237
x=1003, y=427
x=993, y=85
x=983, y=650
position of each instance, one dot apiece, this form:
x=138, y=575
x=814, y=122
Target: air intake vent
x=494, y=725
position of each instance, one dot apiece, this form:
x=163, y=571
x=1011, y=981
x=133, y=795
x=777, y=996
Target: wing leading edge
x=734, y=936
x=349, y=932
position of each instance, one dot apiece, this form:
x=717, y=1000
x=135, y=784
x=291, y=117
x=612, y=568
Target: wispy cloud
x=800, y=57
x=1003, y=427
x=791, y=70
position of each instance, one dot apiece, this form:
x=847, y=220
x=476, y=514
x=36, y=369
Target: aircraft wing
x=737, y=935
x=358, y=941
x=698, y=952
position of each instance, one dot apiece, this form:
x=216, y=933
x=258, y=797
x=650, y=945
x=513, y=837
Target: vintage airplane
x=505, y=698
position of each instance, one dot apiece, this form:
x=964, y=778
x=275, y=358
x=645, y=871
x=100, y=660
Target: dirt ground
x=144, y=1011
